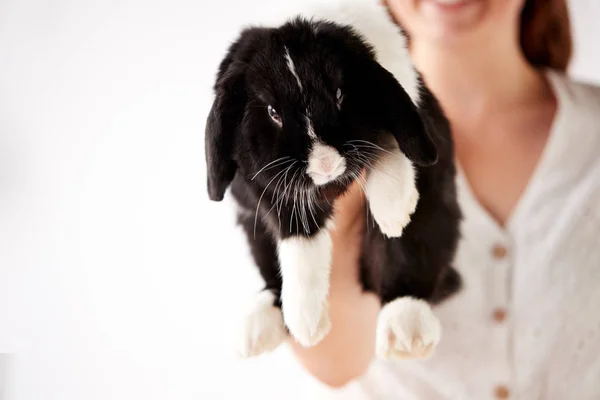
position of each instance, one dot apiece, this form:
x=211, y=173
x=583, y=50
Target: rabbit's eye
x=339, y=97
x=274, y=115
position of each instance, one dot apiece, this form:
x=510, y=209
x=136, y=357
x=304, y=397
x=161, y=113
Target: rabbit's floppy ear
x=226, y=114
x=391, y=109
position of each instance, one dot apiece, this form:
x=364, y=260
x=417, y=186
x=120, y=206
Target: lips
x=449, y=3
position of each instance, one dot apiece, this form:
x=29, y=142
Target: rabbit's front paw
x=392, y=194
x=305, y=265
x=407, y=329
x=262, y=329
x=306, y=315
x=393, y=214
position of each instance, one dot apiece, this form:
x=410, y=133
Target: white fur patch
x=292, y=67
x=262, y=329
x=392, y=193
x=369, y=18
x=305, y=267
x=407, y=329
x=325, y=164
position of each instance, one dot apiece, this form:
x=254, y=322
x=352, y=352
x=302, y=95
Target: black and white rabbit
x=302, y=107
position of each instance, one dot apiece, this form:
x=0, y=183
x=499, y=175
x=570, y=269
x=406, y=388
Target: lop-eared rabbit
x=305, y=106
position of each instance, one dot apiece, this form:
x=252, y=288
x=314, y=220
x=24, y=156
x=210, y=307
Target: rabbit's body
x=302, y=108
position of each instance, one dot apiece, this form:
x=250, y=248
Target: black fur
x=280, y=201
x=419, y=263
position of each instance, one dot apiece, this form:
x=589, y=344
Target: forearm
x=346, y=352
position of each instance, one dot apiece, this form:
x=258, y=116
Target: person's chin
x=451, y=17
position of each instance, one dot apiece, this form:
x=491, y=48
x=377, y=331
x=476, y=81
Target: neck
x=477, y=79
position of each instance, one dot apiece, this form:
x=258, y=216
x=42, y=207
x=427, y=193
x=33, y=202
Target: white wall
x=585, y=17
x=118, y=279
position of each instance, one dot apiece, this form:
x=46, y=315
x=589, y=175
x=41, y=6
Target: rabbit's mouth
x=321, y=178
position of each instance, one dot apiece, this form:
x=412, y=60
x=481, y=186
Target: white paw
x=407, y=329
x=392, y=193
x=392, y=215
x=305, y=265
x=306, y=314
x=262, y=329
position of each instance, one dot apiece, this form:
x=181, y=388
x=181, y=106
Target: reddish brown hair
x=545, y=33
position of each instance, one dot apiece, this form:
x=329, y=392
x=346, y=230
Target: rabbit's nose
x=325, y=164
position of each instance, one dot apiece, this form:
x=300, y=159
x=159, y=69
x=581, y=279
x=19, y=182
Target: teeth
x=450, y=1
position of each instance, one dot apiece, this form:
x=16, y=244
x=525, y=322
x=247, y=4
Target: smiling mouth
x=450, y=5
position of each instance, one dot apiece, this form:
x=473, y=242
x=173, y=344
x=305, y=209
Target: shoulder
x=578, y=115
x=584, y=96
x=576, y=129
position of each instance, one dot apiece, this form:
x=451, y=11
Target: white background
x=118, y=279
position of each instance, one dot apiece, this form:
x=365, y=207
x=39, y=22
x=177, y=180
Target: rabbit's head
x=306, y=102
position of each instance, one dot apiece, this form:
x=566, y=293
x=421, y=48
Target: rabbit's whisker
x=276, y=194
x=303, y=217
x=261, y=196
x=370, y=144
x=371, y=162
x=281, y=197
x=278, y=162
x=287, y=189
x=310, y=201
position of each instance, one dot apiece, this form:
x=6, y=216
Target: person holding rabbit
x=477, y=155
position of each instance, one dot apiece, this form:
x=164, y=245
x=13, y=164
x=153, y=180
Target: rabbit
x=302, y=109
